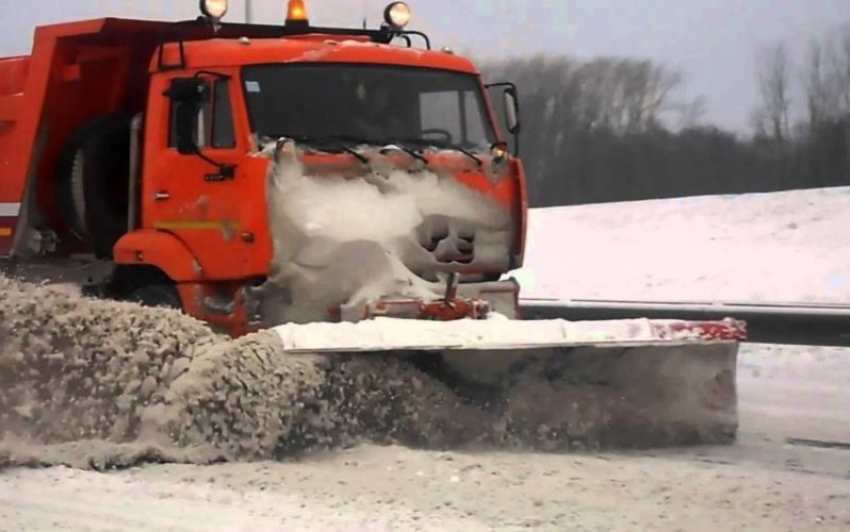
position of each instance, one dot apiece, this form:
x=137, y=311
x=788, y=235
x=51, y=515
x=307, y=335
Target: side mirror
x=512, y=111
x=188, y=95
x=512, y=115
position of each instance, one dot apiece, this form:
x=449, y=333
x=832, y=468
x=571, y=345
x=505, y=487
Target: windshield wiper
x=386, y=144
x=444, y=146
x=413, y=153
x=329, y=143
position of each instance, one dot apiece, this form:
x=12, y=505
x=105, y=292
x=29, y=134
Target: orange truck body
x=207, y=237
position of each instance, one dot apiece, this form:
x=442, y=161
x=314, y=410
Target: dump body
x=76, y=72
x=13, y=76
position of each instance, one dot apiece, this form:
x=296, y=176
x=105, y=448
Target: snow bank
x=780, y=247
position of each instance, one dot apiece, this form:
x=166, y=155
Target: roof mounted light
x=397, y=15
x=214, y=9
x=296, y=14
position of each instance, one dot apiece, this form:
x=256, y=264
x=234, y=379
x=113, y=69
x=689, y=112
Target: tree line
x=618, y=129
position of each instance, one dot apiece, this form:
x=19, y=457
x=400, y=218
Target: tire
x=92, y=182
x=156, y=295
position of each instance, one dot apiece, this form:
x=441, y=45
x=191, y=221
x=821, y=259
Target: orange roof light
x=296, y=14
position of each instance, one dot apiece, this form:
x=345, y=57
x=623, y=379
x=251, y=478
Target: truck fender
x=149, y=247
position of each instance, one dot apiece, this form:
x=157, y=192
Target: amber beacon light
x=296, y=13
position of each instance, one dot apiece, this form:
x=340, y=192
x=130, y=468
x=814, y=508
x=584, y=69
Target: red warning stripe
x=727, y=330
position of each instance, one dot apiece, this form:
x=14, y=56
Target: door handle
x=226, y=172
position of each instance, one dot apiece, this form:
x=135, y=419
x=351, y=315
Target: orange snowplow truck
x=279, y=177
x=128, y=148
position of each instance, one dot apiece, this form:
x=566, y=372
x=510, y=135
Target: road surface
x=790, y=470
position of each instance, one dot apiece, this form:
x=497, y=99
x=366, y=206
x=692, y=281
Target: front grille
x=448, y=243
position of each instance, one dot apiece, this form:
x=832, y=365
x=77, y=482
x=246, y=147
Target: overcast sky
x=713, y=41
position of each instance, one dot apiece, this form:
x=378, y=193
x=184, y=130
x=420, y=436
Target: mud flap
x=624, y=384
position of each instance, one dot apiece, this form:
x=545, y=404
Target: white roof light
x=214, y=9
x=397, y=15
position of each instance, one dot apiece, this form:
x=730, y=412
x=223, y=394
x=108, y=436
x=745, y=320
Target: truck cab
x=137, y=154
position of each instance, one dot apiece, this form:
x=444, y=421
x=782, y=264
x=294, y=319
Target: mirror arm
x=501, y=84
x=225, y=171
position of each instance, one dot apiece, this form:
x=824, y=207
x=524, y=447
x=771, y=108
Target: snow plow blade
x=624, y=383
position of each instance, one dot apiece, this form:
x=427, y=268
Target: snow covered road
x=761, y=483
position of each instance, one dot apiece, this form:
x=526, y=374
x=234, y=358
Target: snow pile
x=73, y=369
x=779, y=247
x=357, y=240
x=153, y=385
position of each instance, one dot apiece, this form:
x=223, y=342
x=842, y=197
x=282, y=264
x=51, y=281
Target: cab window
x=214, y=125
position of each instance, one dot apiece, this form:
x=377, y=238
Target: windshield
x=369, y=103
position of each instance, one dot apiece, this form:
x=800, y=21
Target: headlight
x=397, y=15
x=499, y=151
x=214, y=9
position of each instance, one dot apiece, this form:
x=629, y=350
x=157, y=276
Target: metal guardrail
x=786, y=323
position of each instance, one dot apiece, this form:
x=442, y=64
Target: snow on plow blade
x=625, y=383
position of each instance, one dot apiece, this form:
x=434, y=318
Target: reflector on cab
x=296, y=14
x=397, y=15
x=214, y=9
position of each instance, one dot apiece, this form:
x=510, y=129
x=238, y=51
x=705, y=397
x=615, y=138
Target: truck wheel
x=92, y=182
x=156, y=295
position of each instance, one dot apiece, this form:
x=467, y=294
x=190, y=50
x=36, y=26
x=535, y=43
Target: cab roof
x=314, y=48
x=247, y=44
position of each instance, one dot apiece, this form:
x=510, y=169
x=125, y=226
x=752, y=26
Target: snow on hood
x=389, y=234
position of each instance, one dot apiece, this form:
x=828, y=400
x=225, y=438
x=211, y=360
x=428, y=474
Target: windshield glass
x=369, y=103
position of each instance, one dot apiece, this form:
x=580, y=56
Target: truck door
x=200, y=197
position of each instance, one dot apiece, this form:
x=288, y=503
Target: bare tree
x=690, y=113
x=774, y=77
x=817, y=87
x=841, y=66
x=833, y=70
x=827, y=77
